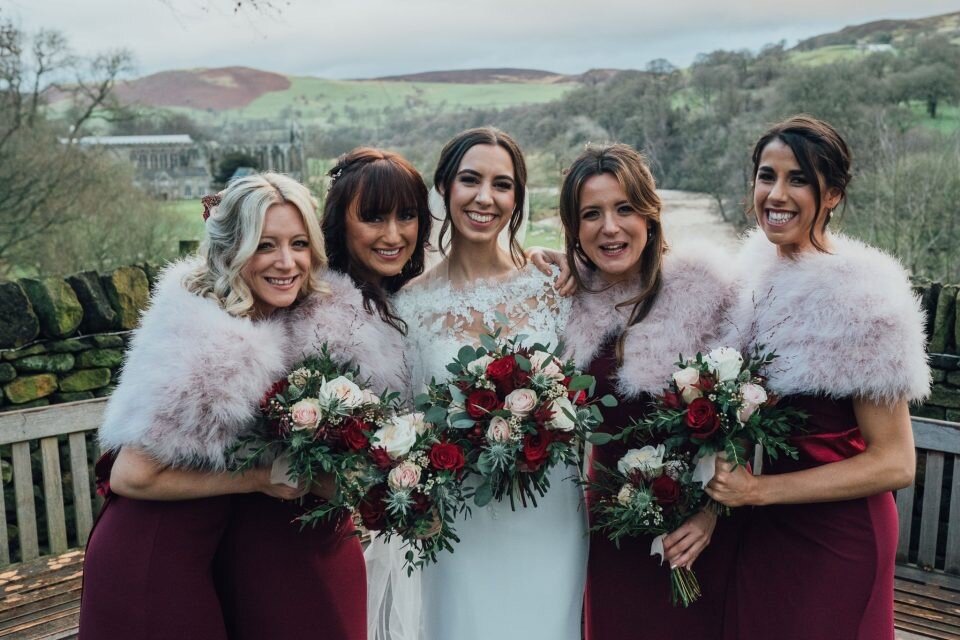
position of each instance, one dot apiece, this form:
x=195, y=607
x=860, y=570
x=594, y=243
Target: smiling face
x=277, y=270
x=785, y=202
x=482, y=195
x=613, y=232
x=380, y=244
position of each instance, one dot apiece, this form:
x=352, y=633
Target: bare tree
x=43, y=173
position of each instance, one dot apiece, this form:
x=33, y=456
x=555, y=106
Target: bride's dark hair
x=374, y=182
x=449, y=163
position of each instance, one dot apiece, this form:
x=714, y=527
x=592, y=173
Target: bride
x=514, y=574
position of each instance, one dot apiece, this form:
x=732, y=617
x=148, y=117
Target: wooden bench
x=927, y=590
x=41, y=568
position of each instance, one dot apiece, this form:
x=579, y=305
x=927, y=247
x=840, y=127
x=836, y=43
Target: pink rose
x=753, y=396
x=499, y=430
x=405, y=475
x=520, y=402
x=305, y=414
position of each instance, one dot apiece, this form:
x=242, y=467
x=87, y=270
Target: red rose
x=502, y=371
x=536, y=449
x=482, y=402
x=706, y=383
x=671, y=400
x=666, y=490
x=702, y=419
x=578, y=397
x=355, y=433
x=446, y=456
x=372, y=510
x=380, y=458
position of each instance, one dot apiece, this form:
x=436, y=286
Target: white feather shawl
x=845, y=324
x=194, y=375
x=696, y=288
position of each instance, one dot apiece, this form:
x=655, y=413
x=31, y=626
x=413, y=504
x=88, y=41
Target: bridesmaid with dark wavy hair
x=849, y=333
x=638, y=306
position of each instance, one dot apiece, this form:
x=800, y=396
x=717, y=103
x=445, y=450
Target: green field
x=826, y=55
x=947, y=120
x=338, y=102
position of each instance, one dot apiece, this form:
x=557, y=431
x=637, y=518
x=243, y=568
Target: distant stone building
x=169, y=167
x=175, y=167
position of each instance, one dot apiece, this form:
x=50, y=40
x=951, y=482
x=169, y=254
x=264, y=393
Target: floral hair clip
x=209, y=203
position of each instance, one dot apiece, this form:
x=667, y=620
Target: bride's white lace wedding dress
x=515, y=574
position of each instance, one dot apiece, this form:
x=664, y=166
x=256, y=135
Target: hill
x=481, y=76
x=219, y=89
x=885, y=32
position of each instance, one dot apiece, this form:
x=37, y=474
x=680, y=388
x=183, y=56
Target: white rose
x=560, y=420
x=479, y=366
x=341, y=389
x=499, y=430
x=725, y=362
x=685, y=379
x=648, y=461
x=369, y=397
x=405, y=475
x=414, y=420
x=306, y=414
x=520, y=402
x=397, y=437
x=551, y=369
x=626, y=494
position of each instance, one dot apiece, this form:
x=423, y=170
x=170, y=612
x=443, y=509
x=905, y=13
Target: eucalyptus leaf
x=435, y=415
x=488, y=343
x=466, y=354
x=581, y=382
x=608, y=401
x=483, y=495
x=455, y=394
x=522, y=362
x=501, y=318
x=599, y=438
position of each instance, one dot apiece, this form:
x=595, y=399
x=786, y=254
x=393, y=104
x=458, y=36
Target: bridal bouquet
x=651, y=492
x=412, y=486
x=518, y=412
x=319, y=419
x=718, y=403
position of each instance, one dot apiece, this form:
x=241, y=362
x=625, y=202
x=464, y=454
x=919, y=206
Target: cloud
x=367, y=38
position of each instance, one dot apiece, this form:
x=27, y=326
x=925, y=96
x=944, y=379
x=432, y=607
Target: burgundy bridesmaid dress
x=628, y=590
x=279, y=581
x=817, y=571
x=148, y=569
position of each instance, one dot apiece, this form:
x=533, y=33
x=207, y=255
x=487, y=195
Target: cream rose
x=560, y=420
x=369, y=397
x=685, y=379
x=753, y=396
x=479, y=366
x=341, y=389
x=725, y=362
x=405, y=475
x=648, y=461
x=397, y=437
x=625, y=496
x=520, y=402
x=498, y=430
x=546, y=364
x=306, y=414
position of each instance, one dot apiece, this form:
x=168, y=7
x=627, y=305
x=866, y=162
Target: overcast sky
x=367, y=38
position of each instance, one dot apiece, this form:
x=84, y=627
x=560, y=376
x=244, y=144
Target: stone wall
x=63, y=339
x=943, y=327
